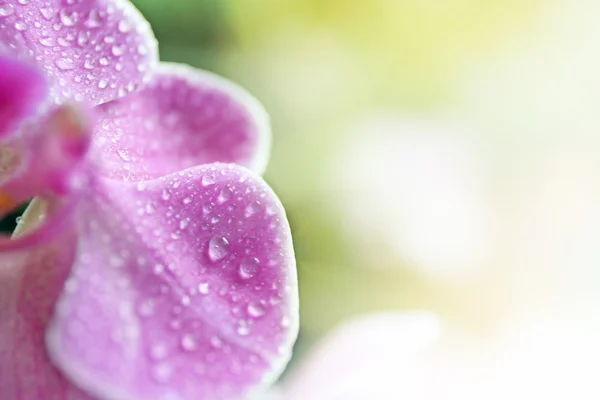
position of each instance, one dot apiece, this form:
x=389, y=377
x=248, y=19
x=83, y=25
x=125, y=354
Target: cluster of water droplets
x=93, y=50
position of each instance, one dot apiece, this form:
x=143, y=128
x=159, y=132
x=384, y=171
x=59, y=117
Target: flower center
x=45, y=159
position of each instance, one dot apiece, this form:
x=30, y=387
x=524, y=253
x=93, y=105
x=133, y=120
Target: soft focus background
x=440, y=155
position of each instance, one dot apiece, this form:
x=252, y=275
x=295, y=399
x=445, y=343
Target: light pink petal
x=22, y=90
x=33, y=270
x=185, y=288
x=92, y=50
x=370, y=357
x=184, y=117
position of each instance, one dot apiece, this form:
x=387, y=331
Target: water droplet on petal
x=47, y=12
x=249, y=267
x=102, y=84
x=187, y=200
x=208, y=180
x=188, y=342
x=65, y=64
x=158, y=351
x=224, y=195
x=162, y=372
x=184, y=223
x=243, y=329
x=203, y=288
x=20, y=25
x=68, y=18
x=118, y=50
x=46, y=41
x=256, y=310
x=252, y=209
x=218, y=248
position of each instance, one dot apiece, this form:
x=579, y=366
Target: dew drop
x=20, y=25
x=252, y=209
x=187, y=200
x=208, y=180
x=165, y=194
x=249, y=267
x=47, y=13
x=188, y=342
x=158, y=351
x=65, y=64
x=224, y=195
x=218, y=248
x=118, y=50
x=203, y=288
x=46, y=41
x=162, y=372
x=216, y=342
x=68, y=18
x=243, y=329
x=183, y=223
x=124, y=26
x=256, y=310
x=102, y=84
x=94, y=20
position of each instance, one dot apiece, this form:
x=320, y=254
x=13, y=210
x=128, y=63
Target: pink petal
x=184, y=117
x=33, y=270
x=370, y=357
x=92, y=50
x=22, y=90
x=185, y=288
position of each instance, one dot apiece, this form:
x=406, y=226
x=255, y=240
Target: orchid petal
x=22, y=90
x=370, y=357
x=184, y=117
x=33, y=270
x=90, y=50
x=185, y=288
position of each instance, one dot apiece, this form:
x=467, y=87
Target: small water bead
x=20, y=25
x=249, y=267
x=162, y=372
x=187, y=200
x=224, y=195
x=118, y=50
x=23, y=2
x=216, y=342
x=102, y=84
x=183, y=223
x=46, y=41
x=65, y=64
x=6, y=10
x=188, y=342
x=252, y=209
x=146, y=308
x=203, y=288
x=68, y=18
x=47, y=12
x=158, y=351
x=208, y=180
x=256, y=310
x=218, y=248
x=158, y=269
x=243, y=329
x=186, y=300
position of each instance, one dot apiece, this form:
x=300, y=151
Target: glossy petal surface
x=92, y=50
x=185, y=288
x=22, y=90
x=184, y=117
x=31, y=279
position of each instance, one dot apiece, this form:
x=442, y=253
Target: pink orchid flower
x=162, y=265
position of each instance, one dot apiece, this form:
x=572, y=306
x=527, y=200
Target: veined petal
x=33, y=270
x=22, y=90
x=183, y=118
x=185, y=288
x=91, y=50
